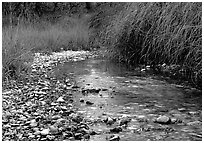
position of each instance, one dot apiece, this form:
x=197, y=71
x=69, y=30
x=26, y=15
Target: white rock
x=45, y=132
x=60, y=99
x=163, y=120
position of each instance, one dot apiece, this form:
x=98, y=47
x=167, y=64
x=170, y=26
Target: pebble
x=43, y=103
x=53, y=129
x=63, y=108
x=114, y=138
x=33, y=123
x=192, y=112
x=89, y=103
x=31, y=136
x=182, y=109
x=53, y=104
x=45, y=132
x=50, y=137
x=194, y=123
x=81, y=100
x=15, y=125
x=78, y=136
x=109, y=121
x=55, y=117
x=116, y=129
x=124, y=121
x=37, y=132
x=60, y=99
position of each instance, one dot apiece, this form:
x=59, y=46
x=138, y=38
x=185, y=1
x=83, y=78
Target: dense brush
x=156, y=33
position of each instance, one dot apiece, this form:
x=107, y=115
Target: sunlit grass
x=20, y=41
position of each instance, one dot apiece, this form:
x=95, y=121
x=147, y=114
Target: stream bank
x=74, y=95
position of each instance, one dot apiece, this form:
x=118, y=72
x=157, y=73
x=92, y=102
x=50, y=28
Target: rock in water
x=109, y=121
x=89, y=103
x=163, y=120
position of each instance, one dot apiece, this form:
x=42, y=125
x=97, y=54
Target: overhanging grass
x=156, y=33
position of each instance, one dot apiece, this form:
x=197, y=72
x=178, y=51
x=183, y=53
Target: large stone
x=163, y=120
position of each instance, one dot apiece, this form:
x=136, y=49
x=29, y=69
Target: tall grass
x=25, y=38
x=156, y=33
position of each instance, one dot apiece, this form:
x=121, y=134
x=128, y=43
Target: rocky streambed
x=73, y=95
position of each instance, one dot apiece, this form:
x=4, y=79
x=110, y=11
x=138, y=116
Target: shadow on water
x=130, y=93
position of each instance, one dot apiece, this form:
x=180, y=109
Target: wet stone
x=50, y=137
x=55, y=117
x=53, y=129
x=81, y=100
x=53, y=104
x=92, y=132
x=83, y=131
x=89, y=103
x=182, y=109
x=163, y=120
x=124, y=121
x=114, y=138
x=86, y=137
x=194, y=123
x=116, y=129
x=78, y=136
x=15, y=125
x=193, y=113
x=109, y=121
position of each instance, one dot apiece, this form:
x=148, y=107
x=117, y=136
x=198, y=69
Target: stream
x=151, y=108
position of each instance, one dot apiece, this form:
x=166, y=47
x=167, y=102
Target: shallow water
x=138, y=96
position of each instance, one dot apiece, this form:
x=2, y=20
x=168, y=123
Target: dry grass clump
x=23, y=39
x=156, y=33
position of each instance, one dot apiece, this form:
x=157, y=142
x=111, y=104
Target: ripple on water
x=140, y=98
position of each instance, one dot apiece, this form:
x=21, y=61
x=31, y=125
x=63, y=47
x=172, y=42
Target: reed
x=157, y=33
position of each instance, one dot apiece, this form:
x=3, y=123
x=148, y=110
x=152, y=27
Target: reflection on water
x=132, y=94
